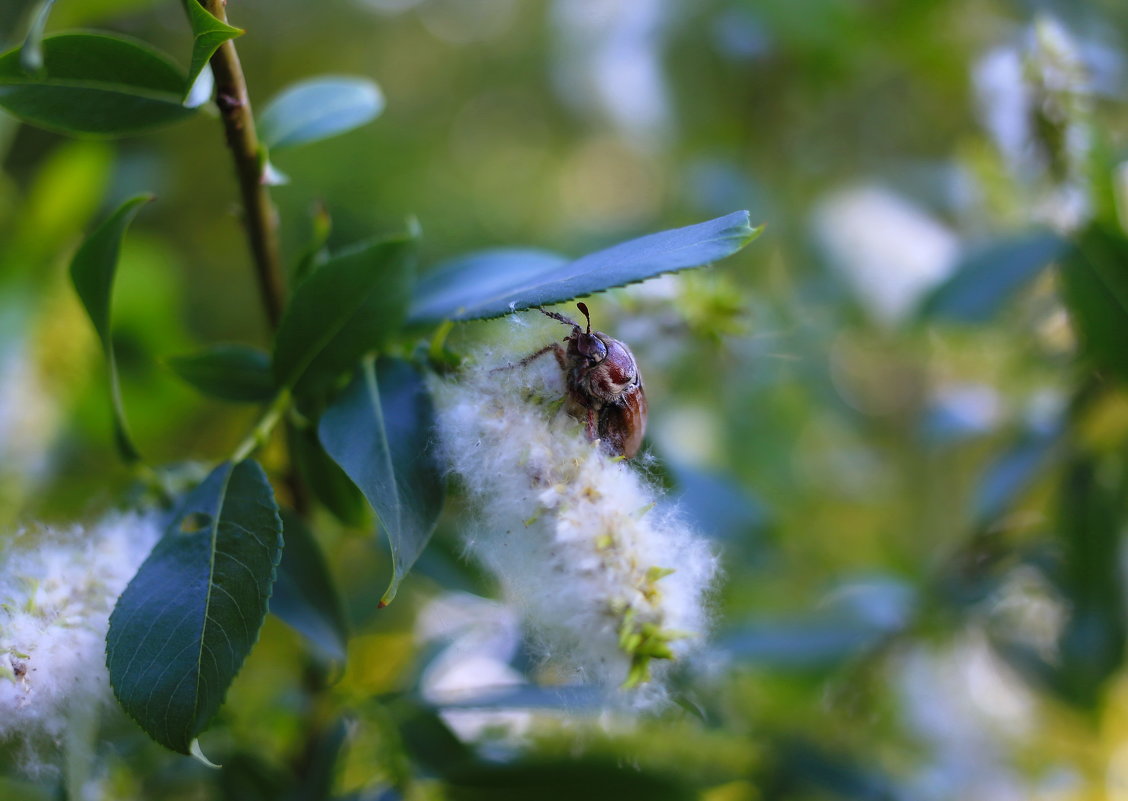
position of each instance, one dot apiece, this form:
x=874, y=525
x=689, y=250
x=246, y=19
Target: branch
x=259, y=215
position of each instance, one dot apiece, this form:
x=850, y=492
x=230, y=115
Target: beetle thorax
x=602, y=368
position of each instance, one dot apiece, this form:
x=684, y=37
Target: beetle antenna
x=584, y=311
x=557, y=316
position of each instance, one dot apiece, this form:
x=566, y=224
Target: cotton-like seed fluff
x=57, y=589
x=605, y=579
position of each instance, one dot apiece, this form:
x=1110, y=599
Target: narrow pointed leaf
x=92, y=272
x=318, y=109
x=379, y=431
x=462, y=282
x=31, y=53
x=187, y=620
x=94, y=84
x=494, y=283
x=237, y=373
x=347, y=308
x=305, y=597
x=208, y=34
x=988, y=277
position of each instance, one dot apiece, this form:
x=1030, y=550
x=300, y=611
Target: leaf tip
x=196, y=753
x=753, y=233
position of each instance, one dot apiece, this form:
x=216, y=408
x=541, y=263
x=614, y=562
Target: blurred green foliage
x=916, y=476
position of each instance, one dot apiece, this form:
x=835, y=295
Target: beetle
x=603, y=383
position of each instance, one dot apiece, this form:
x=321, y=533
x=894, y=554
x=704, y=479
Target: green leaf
x=379, y=431
x=494, y=283
x=350, y=306
x=318, y=109
x=1094, y=282
x=1091, y=644
x=328, y=482
x=592, y=777
x=184, y=625
x=92, y=272
x=304, y=596
x=31, y=53
x=988, y=277
x=463, y=281
x=94, y=84
x=208, y=34
x=237, y=373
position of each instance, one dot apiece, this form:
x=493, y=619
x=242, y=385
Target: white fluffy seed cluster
x=605, y=579
x=57, y=589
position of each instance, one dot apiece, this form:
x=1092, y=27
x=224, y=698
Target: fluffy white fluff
x=575, y=537
x=57, y=589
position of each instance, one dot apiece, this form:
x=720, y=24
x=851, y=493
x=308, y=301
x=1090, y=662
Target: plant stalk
x=260, y=217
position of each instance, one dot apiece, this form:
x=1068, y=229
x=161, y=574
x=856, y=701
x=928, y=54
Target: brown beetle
x=604, y=385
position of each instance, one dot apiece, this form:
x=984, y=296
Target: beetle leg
x=558, y=351
x=592, y=431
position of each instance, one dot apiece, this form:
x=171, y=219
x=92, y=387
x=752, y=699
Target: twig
x=260, y=217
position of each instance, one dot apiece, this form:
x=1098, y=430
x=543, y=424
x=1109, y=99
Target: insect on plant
x=604, y=385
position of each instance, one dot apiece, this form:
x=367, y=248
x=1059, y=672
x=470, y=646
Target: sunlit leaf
x=95, y=84
x=379, y=431
x=318, y=109
x=188, y=619
x=231, y=372
x=347, y=308
x=988, y=277
x=208, y=33
x=92, y=271
x=304, y=595
x=499, y=282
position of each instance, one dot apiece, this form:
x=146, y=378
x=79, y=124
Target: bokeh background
x=899, y=613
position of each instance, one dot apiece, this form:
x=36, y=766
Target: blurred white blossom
x=1035, y=99
x=610, y=63
x=603, y=579
x=57, y=589
x=888, y=250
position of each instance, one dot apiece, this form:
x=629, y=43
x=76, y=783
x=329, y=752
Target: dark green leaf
x=426, y=737
x=318, y=109
x=315, y=782
x=987, y=278
x=94, y=84
x=31, y=54
x=590, y=777
x=380, y=431
x=328, y=482
x=92, y=271
x=304, y=595
x=1095, y=284
x=1091, y=519
x=208, y=34
x=187, y=620
x=316, y=251
x=347, y=308
x=467, y=289
x=232, y=372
